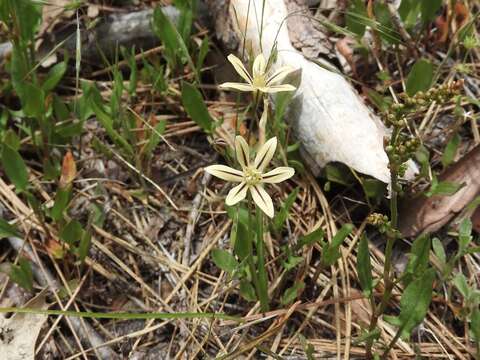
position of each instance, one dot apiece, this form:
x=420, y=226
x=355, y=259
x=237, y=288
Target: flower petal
x=236, y=86
x=277, y=88
x=259, y=65
x=238, y=65
x=265, y=154
x=262, y=199
x=225, y=173
x=279, y=75
x=236, y=194
x=277, y=175
x=243, y=151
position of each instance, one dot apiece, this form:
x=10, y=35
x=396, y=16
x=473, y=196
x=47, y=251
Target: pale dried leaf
x=20, y=332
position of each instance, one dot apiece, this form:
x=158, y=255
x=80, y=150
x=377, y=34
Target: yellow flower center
x=252, y=176
x=259, y=81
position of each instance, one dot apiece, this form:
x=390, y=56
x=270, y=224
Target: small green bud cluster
x=401, y=152
x=401, y=148
x=396, y=115
x=439, y=94
x=382, y=222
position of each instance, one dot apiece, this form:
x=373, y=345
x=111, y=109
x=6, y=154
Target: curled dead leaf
x=428, y=214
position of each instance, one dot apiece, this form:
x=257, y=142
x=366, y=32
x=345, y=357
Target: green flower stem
x=387, y=269
x=251, y=263
x=262, y=271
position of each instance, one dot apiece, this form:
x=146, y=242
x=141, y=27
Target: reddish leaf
x=69, y=170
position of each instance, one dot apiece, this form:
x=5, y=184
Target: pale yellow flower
x=252, y=176
x=260, y=80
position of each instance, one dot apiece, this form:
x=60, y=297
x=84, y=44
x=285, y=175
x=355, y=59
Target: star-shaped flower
x=252, y=176
x=260, y=80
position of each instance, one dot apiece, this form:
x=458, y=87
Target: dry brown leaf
x=344, y=47
x=441, y=24
x=361, y=308
x=424, y=214
x=20, y=332
x=93, y=11
x=55, y=249
x=476, y=220
x=52, y=13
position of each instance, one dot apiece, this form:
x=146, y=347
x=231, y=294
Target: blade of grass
x=122, y=315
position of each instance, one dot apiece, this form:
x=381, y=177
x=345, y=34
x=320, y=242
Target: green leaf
x=357, y=17
x=224, y=260
x=450, y=150
x=308, y=348
x=460, y=282
x=420, y=77
x=62, y=199
x=167, y=33
x=22, y=274
x=429, y=9
x=291, y=293
x=193, y=103
x=375, y=334
x=331, y=253
x=338, y=174
x=282, y=215
x=106, y=121
x=172, y=40
x=154, y=139
x=14, y=167
x=26, y=14
x=292, y=262
x=11, y=139
x=54, y=76
x=184, y=23
x=443, y=188
x=7, y=230
x=202, y=53
x=364, y=266
x=243, y=241
x=380, y=101
x=247, y=290
x=384, y=25
x=374, y=189
x=423, y=157
x=475, y=325
x=418, y=257
x=310, y=239
x=415, y=302
x=409, y=11
x=464, y=234
x=33, y=100
x=72, y=233
x=439, y=251
x=132, y=64
x=84, y=246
